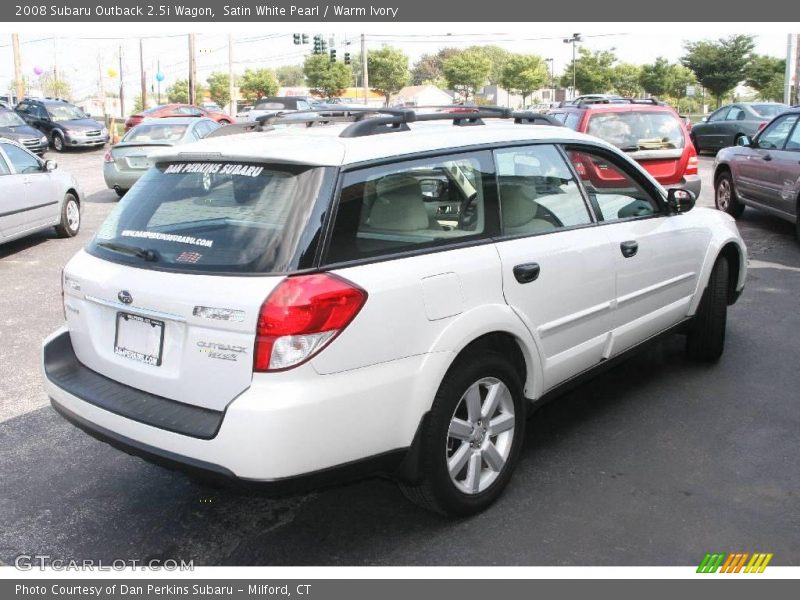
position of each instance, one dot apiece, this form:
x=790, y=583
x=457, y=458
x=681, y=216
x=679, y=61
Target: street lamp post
x=551, y=87
x=575, y=39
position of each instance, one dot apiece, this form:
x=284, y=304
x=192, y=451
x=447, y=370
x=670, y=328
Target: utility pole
x=551, y=83
x=101, y=86
x=143, y=76
x=121, y=87
x=192, y=71
x=576, y=37
x=19, y=84
x=796, y=99
x=158, y=79
x=232, y=107
x=364, y=69
x=56, y=85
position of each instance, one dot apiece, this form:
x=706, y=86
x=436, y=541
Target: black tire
x=58, y=143
x=436, y=490
x=731, y=204
x=120, y=192
x=69, y=225
x=706, y=337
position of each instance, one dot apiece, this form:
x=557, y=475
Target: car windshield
x=275, y=104
x=638, y=130
x=65, y=112
x=157, y=132
x=10, y=119
x=219, y=217
x=768, y=111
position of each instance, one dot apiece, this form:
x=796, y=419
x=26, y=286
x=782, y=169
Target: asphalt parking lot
x=654, y=463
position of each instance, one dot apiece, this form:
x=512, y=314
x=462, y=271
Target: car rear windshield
x=634, y=131
x=219, y=217
x=276, y=103
x=768, y=111
x=156, y=132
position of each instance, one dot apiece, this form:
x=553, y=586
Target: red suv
x=651, y=133
x=176, y=110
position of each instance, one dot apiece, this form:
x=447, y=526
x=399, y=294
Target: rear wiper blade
x=145, y=253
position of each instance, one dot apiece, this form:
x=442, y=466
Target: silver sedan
x=126, y=161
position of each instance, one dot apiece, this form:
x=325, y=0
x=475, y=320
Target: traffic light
x=333, y=54
x=317, y=44
x=305, y=38
x=323, y=45
x=296, y=37
x=347, y=58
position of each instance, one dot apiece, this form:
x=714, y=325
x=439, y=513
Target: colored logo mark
x=736, y=562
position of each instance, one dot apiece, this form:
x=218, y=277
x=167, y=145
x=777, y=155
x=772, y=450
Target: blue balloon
x=159, y=76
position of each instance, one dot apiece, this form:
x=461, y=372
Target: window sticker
x=239, y=169
x=169, y=237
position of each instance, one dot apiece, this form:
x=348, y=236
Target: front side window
x=409, y=206
x=4, y=170
x=24, y=162
x=613, y=192
x=573, y=120
x=537, y=191
x=793, y=143
x=219, y=217
x=775, y=135
x=719, y=115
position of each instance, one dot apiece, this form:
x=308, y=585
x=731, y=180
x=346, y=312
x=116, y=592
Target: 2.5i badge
x=221, y=351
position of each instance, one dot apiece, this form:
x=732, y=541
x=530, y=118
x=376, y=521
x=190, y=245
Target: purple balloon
x=38, y=70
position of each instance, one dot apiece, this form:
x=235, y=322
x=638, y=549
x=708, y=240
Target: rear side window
x=634, y=131
x=573, y=120
x=408, y=206
x=537, y=191
x=219, y=217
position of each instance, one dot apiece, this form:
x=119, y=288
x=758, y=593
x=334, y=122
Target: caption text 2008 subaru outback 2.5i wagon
x=385, y=295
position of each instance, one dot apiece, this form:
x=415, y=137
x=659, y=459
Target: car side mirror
x=744, y=141
x=704, y=120
x=50, y=165
x=680, y=200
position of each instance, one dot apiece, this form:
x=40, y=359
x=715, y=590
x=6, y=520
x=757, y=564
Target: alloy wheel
x=723, y=194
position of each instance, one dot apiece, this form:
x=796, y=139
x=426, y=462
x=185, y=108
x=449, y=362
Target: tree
x=326, y=78
x=178, y=92
x=524, y=74
x=430, y=67
x=258, y=83
x=290, y=75
x=466, y=72
x=52, y=86
x=594, y=71
x=765, y=74
x=678, y=79
x=219, y=88
x=497, y=58
x=654, y=77
x=626, y=79
x=720, y=65
x=388, y=71
x=138, y=104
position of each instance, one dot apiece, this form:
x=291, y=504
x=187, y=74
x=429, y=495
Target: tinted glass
x=768, y=111
x=612, y=190
x=220, y=217
x=537, y=191
x=638, y=130
x=23, y=161
x=412, y=205
x=156, y=132
x=774, y=136
x=9, y=118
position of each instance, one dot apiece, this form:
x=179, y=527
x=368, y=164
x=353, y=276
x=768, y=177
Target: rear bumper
x=114, y=177
x=294, y=431
x=690, y=182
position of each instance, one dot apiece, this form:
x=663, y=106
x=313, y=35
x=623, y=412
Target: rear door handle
x=629, y=248
x=767, y=157
x=527, y=272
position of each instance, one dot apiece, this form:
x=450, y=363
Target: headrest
x=518, y=208
x=398, y=205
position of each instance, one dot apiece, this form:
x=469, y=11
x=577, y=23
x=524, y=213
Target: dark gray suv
x=64, y=124
x=764, y=172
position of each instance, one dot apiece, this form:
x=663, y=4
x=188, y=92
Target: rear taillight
x=691, y=165
x=108, y=158
x=301, y=316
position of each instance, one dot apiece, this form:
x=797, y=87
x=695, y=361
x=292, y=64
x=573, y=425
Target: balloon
x=38, y=70
x=159, y=76
x=112, y=72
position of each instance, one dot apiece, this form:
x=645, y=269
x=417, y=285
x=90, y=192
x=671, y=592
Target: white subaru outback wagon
x=386, y=295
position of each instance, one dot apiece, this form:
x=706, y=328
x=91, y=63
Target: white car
x=386, y=295
x=35, y=195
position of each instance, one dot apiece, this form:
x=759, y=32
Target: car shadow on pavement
x=31, y=241
x=102, y=197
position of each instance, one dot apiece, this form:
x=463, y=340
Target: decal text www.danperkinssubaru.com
x=168, y=237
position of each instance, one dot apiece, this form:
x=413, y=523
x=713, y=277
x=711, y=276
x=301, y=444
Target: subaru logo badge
x=125, y=297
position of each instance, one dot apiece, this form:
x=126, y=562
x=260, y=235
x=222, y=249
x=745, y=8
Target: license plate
x=139, y=338
x=137, y=162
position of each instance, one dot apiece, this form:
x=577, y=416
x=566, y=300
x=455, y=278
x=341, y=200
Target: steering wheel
x=468, y=213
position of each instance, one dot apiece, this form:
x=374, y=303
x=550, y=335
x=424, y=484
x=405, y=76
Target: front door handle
x=767, y=157
x=629, y=248
x=527, y=272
